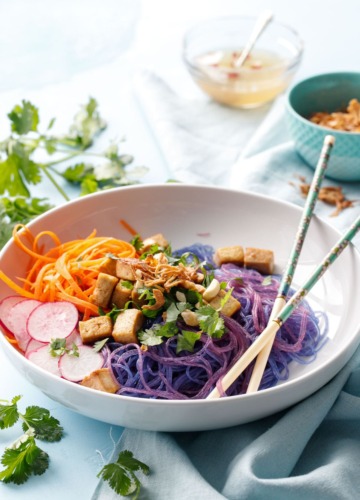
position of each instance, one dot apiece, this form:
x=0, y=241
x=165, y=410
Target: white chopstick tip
x=329, y=140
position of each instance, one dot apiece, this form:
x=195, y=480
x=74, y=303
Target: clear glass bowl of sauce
x=212, y=47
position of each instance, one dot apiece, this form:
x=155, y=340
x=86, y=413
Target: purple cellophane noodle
x=160, y=373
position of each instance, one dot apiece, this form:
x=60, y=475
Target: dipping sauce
x=259, y=80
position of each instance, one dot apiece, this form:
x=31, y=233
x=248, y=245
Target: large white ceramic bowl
x=188, y=214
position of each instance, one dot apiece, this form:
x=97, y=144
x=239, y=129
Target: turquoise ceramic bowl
x=327, y=92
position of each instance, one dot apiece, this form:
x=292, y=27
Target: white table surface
x=57, y=83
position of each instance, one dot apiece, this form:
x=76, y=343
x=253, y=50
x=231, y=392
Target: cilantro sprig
x=121, y=474
x=32, y=153
x=24, y=457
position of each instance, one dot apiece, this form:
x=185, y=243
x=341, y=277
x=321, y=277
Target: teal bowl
x=327, y=92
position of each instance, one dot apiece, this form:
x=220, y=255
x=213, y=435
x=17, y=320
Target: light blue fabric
x=310, y=451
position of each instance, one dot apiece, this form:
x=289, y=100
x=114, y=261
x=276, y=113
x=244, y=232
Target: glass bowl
x=211, y=47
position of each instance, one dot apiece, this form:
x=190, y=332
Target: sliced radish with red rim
x=33, y=345
x=52, y=320
x=5, y=308
x=75, y=368
x=18, y=317
x=45, y=360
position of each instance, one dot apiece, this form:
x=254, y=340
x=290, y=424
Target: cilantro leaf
x=149, y=337
x=9, y=414
x=100, y=344
x=174, y=310
x=77, y=173
x=127, y=284
x=86, y=125
x=169, y=329
x=153, y=336
x=57, y=347
x=46, y=427
x=210, y=321
x=22, y=461
x=120, y=474
x=21, y=208
x=136, y=242
x=186, y=341
x=10, y=179
x=24, y=118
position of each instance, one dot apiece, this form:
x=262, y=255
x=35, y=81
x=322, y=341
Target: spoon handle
x=261, y=23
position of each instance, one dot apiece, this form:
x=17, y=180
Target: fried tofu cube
x=104, y=287
x=127, y=324
x=101, y=380
x=229, y=308
x=124, y=269
x=109, y=266
x=260, y=259
x=156, y=239
x=234, y=255
x=121, y=295
x=95, y=329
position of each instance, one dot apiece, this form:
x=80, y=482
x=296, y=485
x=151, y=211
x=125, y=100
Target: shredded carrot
x=128, y=227
x=68, y=271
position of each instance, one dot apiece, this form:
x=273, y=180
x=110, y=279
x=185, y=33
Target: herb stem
x=53, y=181
x=60, y=160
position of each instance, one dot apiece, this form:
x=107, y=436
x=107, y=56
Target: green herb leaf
x=151, y=251
x=24, y=118
x=86, y=125
x=9, y=414
x=120, y=474
x=267, y=281
x=127, y=284
x=137, y=242
x=20, y=462
x=226, y=298
x=22, y=209
x=100, y=344
x=210, y=321
x=57, y=347
x=46, y=427
x=186, y=341
x=174, y=310
x=149, y=337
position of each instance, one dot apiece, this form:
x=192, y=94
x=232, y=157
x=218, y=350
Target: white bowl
x=188, y=214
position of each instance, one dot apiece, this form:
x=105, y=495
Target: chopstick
x=288, y=275
x=286, y=311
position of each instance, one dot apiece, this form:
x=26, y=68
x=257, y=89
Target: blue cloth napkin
x=311, y=450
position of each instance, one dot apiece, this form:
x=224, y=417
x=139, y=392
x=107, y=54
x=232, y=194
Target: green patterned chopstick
x=286, y=311
x=288, y=275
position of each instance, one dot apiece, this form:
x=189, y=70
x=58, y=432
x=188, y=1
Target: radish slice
x=43, y=358
x=18, y=318
x=5, y=307
x=75, y=368
x=52, y=320
x=74, y=338
x=33, y=345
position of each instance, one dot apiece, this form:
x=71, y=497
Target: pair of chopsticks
x=282, y=310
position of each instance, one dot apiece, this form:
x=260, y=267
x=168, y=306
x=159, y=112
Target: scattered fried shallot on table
x=332, y=195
